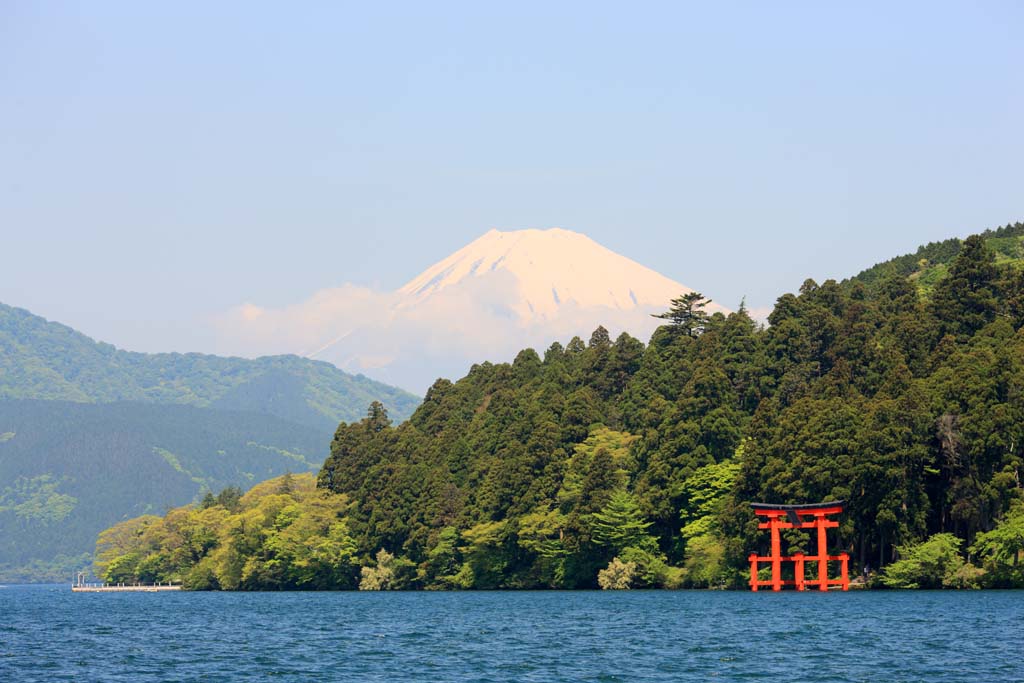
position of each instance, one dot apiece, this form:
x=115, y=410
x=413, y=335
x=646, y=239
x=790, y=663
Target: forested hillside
x=69, y=470
x=930, y=263
x=617, y=464
x=46, y=360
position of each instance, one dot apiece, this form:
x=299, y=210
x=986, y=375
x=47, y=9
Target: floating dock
x=135, y=588
x=80, y=585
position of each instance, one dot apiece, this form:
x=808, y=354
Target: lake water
x=49, y=634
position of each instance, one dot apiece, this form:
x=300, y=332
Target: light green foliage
x=37, y=500
x=444, y=562
x=380, y=577
x=702, y=499
x=175, y=463
x=620, y=525
x=485, y=553
x=6, y=436
x=705, y=565
x=704, y=493
x=1002, y=550
x=935, y=563
x=614, y=444
x=652, y=571
x=542, y=532
x=282, y=534
x=617, y=576
x=390, y=573
x=967, y=576
x=299, y=458
x=928, y=277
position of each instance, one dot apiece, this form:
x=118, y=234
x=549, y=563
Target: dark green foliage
x=910, y=410
x=642, y=461
x=686, y=314
x=965, y=301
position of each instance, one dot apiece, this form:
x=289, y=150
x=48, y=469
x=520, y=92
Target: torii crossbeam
x=796, y=517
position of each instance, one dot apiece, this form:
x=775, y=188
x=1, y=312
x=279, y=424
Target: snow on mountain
x=552, y=268
x=503, y=292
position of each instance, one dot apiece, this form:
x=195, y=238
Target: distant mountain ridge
x=91, y=434
x=40, y=359
x=70, y=469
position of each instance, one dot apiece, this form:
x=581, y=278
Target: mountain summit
x=552, y=270
x=504, y=291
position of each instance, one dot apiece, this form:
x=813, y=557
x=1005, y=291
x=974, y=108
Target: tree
x=378, y=578
x=620, y=524
x=377, y=417
x=123, y=539
x=1001, y=549
x=687, y=314
x=705, y=562
x=932, y=564
x=229, y=498
x=703, y=495
x=617, y=576
x=967, y=300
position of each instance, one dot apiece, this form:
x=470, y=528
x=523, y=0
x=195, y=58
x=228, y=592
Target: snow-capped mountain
x=503, y=292
x=552, y=269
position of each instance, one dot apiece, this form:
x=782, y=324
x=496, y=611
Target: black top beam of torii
x=793, y=511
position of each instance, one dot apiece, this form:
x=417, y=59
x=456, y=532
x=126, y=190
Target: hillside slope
x=40, y=359
x=69, y=470
x=930, y=263
x=618, y=464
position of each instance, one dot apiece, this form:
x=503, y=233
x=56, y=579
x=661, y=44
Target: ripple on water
x=49, y=634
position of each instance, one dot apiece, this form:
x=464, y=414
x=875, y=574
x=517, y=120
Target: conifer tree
x=620, y=524
x=967, y=300
x=687, y=314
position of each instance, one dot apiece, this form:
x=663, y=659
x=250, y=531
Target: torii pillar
x=780, y=517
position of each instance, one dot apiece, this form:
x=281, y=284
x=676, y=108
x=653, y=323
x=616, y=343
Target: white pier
x=80, y=586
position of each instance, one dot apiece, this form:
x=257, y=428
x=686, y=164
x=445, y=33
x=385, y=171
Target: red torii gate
x=794, y=515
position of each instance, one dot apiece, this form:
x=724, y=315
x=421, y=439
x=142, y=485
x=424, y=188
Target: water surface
x=50, y=634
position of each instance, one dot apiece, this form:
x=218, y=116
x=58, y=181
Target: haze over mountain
x=41, y=359
x=91, y=434
x=501, y=292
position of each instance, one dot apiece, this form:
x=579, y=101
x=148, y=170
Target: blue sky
x=162, y=163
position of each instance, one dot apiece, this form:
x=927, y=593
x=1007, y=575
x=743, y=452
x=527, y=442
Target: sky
x=162, y=163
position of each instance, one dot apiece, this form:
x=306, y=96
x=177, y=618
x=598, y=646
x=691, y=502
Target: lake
x=49, y=634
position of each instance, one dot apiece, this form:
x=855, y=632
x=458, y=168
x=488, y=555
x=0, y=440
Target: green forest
x=69, y=470
x=611, y=463
x=91, y=434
